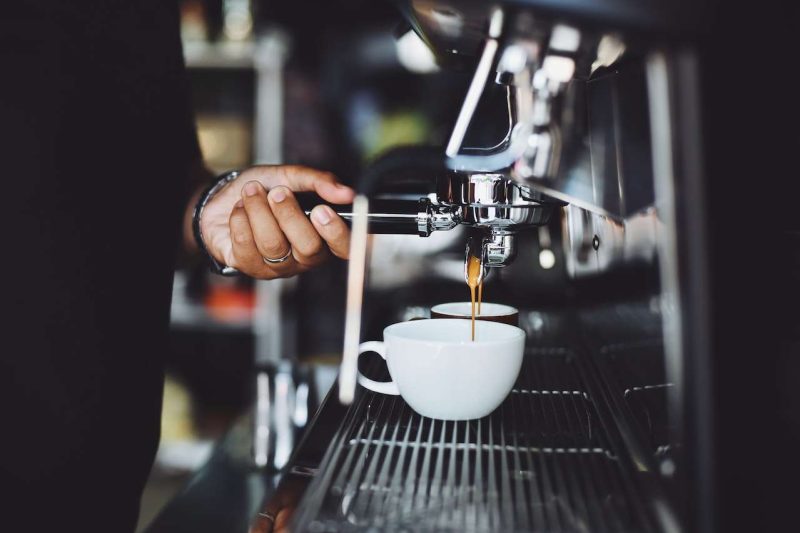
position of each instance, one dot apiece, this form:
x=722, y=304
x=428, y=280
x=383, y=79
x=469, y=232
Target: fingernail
x=322, y=215
x=277, y=195
x=251, y=189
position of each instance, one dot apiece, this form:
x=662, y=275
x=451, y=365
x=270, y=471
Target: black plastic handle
x=394, y=216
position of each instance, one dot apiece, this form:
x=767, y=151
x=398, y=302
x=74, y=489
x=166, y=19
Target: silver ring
x=268, y=516
x=283, y=259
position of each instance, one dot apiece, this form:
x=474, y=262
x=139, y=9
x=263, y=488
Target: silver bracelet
x=220, y=183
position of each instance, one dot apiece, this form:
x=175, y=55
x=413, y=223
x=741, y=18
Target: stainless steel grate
x=544, y=461
x=635, y=369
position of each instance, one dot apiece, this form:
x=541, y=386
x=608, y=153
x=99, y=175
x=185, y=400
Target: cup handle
x=384, y=387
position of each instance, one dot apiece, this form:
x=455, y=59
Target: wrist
x=205, y=197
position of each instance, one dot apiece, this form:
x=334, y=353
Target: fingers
x=268, y=236
x=272, y=522
x=283, y=520
x=299, y=178
x=266, y=225
x=332, y=229
x=263, y=524
x=271, y=224
x=246, y=257
x=308, y=247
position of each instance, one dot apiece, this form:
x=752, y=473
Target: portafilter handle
x=393, y=216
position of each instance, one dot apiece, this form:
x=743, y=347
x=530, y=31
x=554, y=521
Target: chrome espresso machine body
x=573, y=146
x=610, y=426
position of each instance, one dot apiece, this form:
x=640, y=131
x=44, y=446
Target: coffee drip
x=475, y=281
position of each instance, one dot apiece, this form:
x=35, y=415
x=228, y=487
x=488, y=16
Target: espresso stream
x=473, y=274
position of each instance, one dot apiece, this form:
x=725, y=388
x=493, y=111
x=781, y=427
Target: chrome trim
x=477, y=85
x=473, y=97
x=499, y=249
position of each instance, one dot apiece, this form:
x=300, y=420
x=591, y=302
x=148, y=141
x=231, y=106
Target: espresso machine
x=592, y=436
x=613, y=423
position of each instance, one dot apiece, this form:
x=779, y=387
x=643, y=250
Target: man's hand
x=276, y=513
x=256, y=217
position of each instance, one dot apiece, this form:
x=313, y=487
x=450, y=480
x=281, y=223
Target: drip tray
x=543, y=461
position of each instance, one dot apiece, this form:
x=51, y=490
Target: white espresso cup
x=443, y=374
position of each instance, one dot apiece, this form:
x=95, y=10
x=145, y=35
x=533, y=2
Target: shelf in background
x=222, y=55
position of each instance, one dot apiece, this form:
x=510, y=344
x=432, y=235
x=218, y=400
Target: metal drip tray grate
x=543, y=461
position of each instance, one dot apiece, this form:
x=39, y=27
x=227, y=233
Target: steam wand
x=423, y=161
x=356, y=275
